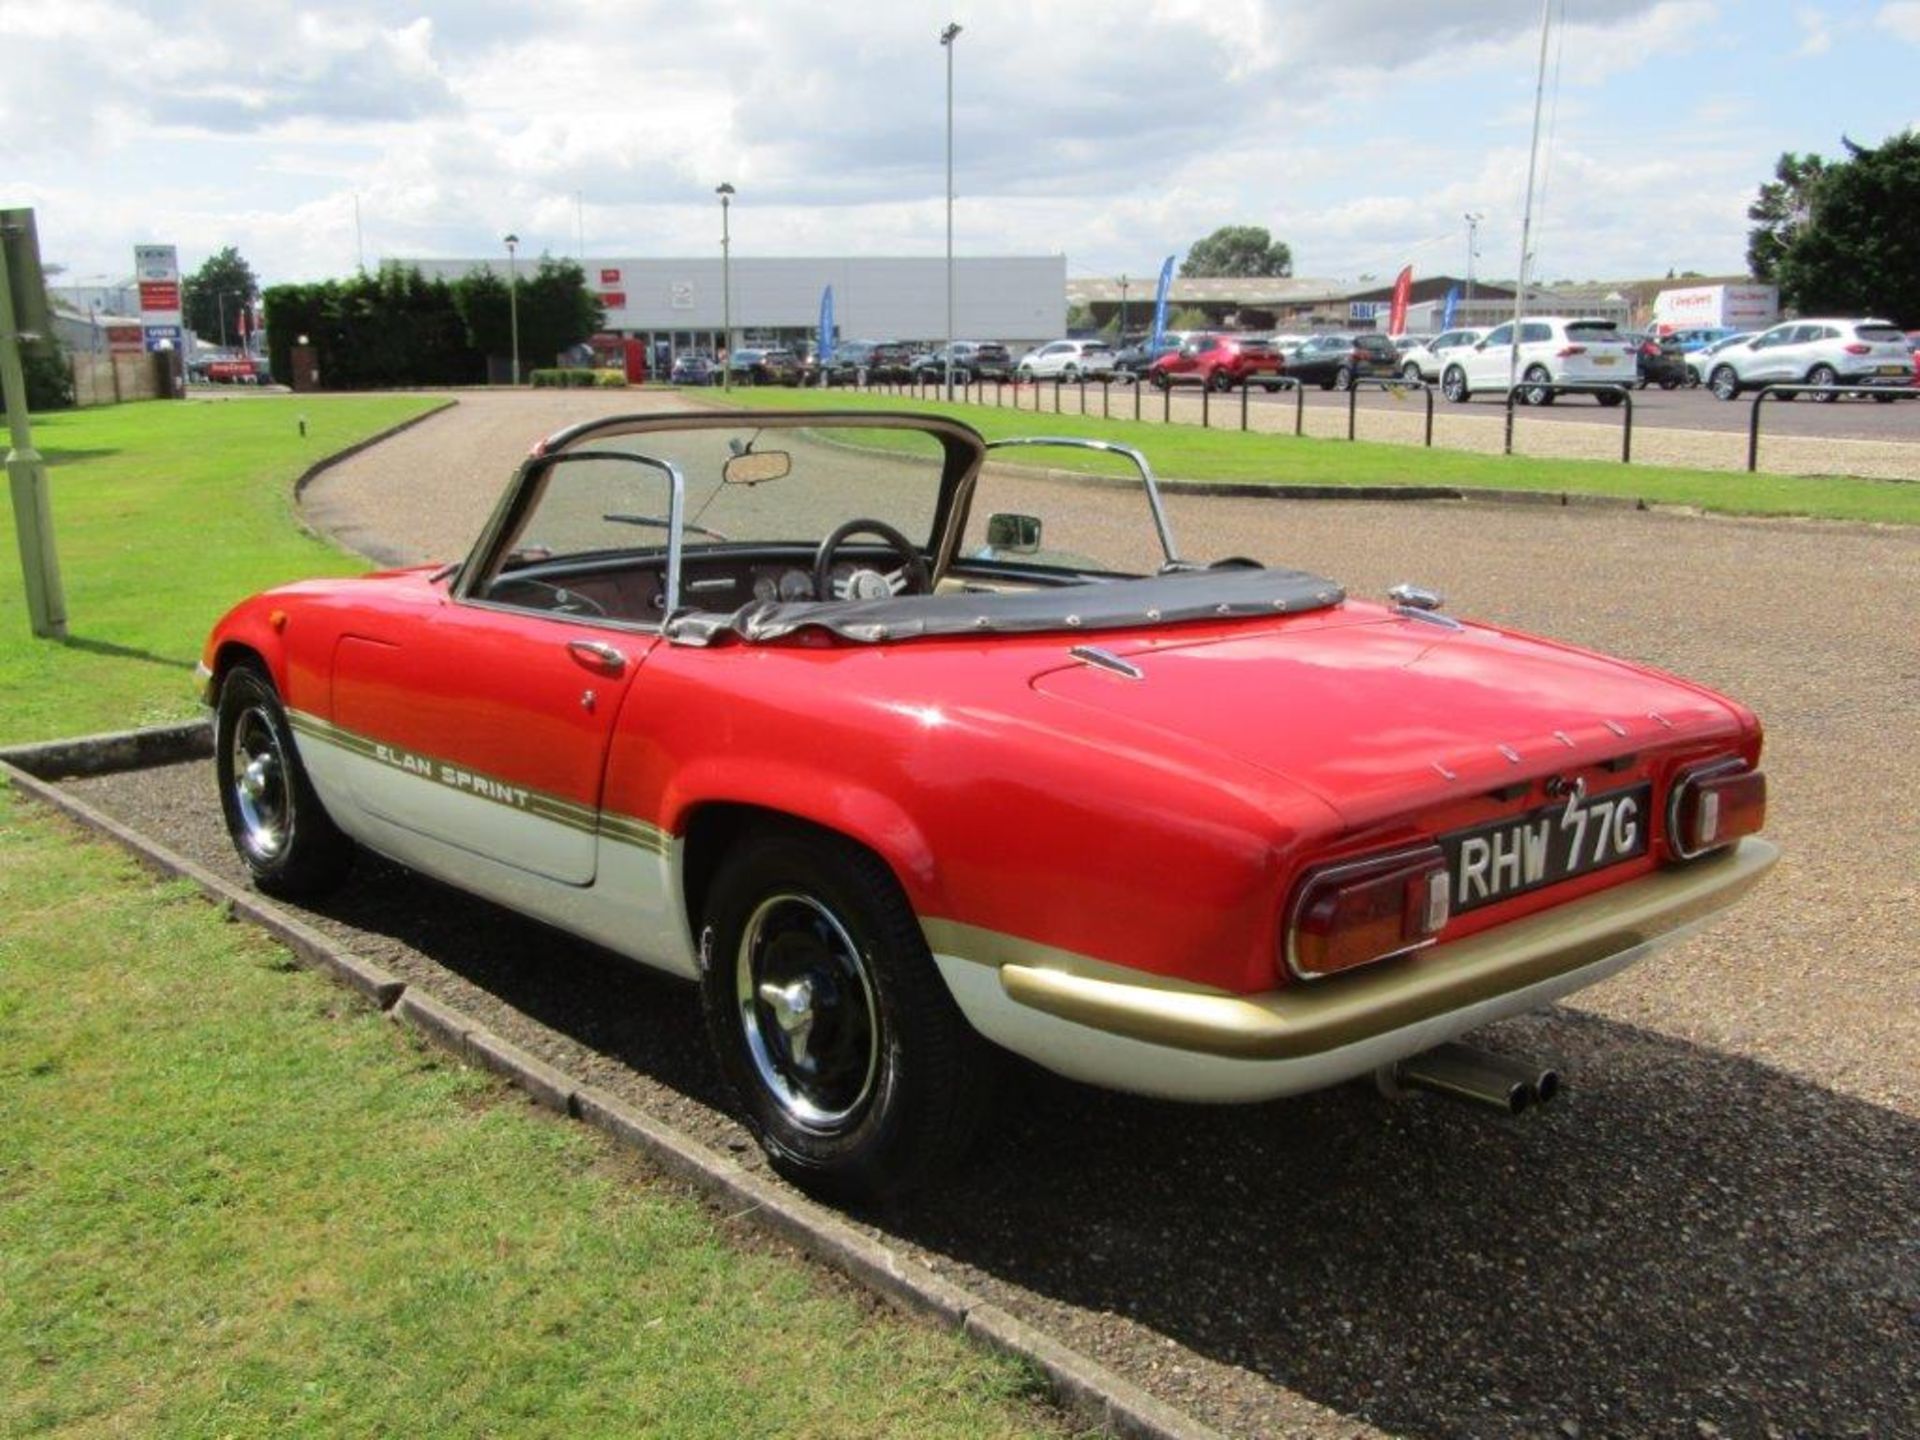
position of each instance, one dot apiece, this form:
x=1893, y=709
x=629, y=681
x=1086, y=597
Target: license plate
x=1893, y=369
x=1496, y=861
x=1604, y=359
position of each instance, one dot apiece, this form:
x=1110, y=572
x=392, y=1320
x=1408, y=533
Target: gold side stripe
x=626, y=829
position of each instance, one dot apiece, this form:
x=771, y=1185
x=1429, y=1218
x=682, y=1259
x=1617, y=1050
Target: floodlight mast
x=947, y=37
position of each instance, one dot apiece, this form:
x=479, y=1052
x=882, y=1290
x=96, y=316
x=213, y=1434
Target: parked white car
x=1068, y=360
x=1700, y=362
x=1872, y=354
x=1553, y=351
x=1424, y=359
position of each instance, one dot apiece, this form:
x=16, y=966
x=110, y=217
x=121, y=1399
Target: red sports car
x=777, y=703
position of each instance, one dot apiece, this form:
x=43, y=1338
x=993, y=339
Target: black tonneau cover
x=1097, y=605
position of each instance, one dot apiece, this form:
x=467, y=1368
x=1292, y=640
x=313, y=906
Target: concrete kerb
x=327, y=462
x=1079, y=1385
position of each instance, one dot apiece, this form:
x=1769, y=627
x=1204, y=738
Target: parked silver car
x=1871, y=354
x=1068, y=360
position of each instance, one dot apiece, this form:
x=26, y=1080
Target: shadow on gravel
x=1689, y=1244
x=1686, y=1238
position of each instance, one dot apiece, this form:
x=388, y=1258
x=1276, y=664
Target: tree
x=213, y=295
x=1781, y=210
x=1237, y=250
x=556, y=309
x=1856, y=252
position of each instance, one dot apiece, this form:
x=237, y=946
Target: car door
x=1767, y=357
x=1489, y=362
x=481, y=728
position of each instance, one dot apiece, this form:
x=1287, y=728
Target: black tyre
x=1411, y=372
x=854, y=1068
x=1160, y=380
x=1670, y=382
x=283, y=833
x=1880, y=399
x=1724, y=382
x=1536, y=386
x=1823, y=375
x=1221, y=380
x=1070, y=374
x=1453, y=385
x=1612, y=399
x=1343, y=378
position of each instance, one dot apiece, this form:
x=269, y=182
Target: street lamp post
x=1473, y=219
x=1123, y=310
x=947, y=37
x=726, y=193
x=513, y=304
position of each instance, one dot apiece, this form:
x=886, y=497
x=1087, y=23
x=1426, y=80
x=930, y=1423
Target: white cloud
x=1114, y=133
x=1902, y=18
x=1816, y=32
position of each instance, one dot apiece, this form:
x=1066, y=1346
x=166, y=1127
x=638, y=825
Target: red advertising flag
x=1402, y=292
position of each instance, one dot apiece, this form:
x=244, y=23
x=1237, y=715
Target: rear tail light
x=1572, y=350
x=1858, y=349
x=1359, y=912
x=1714, y=806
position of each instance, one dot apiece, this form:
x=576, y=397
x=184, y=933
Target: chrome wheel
x=260, y=791
x=807, y=1009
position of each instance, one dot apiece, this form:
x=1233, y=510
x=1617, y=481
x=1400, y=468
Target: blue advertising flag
x=1446, y=314
x=825, y=342
x=1160, y=305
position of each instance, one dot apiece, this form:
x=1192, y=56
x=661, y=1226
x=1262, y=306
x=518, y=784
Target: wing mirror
x=1013, y=534
x=756, y=467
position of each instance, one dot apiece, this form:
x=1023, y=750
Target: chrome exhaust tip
x=1466, y=1072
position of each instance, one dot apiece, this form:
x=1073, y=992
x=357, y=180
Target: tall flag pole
x=1160, y=305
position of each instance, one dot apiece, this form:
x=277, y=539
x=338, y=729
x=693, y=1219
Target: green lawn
x=235, y=1201
x=165, y=513
x=1186, y=452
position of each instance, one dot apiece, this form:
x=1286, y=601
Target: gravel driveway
x=1713, y=1234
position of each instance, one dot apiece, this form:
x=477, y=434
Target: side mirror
x=1013, y=534
x=756, y=467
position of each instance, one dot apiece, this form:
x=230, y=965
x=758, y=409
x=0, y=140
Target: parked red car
x=766, y=701
x=1218, y=361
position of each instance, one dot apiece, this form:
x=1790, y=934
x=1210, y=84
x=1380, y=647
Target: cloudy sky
x=1115, y=131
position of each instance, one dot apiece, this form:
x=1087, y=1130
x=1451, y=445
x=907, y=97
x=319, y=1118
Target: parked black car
x=1658, y=360
x=763, y=367
x=693, y=370
x=881, y=359
x=972, y=360
x=1135, y=360
x=1334, y=362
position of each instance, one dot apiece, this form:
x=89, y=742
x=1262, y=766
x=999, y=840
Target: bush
x=610, y=379
x=49, y=378
x=576, y=379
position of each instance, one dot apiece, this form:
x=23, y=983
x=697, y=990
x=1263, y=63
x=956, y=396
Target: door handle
x=598, y=655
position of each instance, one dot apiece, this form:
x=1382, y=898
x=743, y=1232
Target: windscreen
x=600, y=498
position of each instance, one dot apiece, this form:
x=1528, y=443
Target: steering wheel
x=912, y=576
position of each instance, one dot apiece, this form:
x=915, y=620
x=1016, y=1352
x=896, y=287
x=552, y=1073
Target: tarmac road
x=1713, y=1234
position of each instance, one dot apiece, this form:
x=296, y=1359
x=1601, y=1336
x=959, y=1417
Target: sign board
x=1365, y=309
x=609, y=276
x=614, y=299
x=161, y=337
x=124, y=340
x=680, y=295
x=156, y=269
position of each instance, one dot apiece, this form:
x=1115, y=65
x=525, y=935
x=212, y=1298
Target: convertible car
x=815, y=710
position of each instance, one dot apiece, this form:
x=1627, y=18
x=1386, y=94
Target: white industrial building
x=678, y=305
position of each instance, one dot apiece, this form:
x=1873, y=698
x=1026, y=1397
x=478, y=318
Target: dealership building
x=679, y=305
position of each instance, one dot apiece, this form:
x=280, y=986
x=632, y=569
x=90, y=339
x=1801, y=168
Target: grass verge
x=165, y=513
x=1187, y=452
x=235, y=1202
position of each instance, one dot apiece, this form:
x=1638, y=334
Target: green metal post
x=27, y=479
